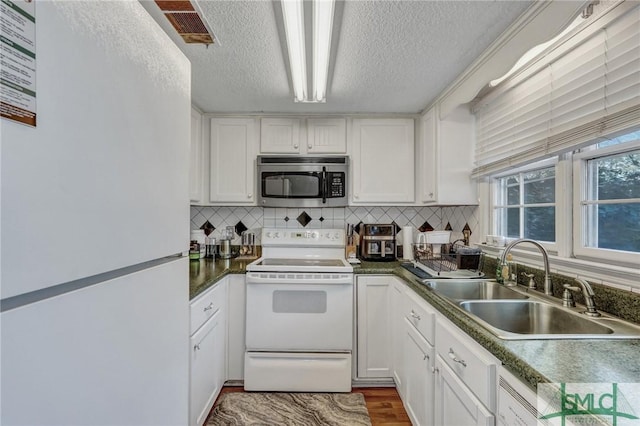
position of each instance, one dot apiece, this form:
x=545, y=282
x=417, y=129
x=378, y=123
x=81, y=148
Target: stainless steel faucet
x=545, y=258
x=588, y=293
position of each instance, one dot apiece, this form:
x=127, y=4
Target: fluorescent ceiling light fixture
x=320, y=36
x=322, y=24
x=294, y=28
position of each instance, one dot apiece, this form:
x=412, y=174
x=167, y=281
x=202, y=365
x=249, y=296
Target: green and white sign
x=18, y=60
x=565, y=404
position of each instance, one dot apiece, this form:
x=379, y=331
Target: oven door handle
x=297, y=279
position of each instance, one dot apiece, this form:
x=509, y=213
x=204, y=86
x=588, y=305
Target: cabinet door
x=455, y=404
x=374, y=358
x=456, y=146
x=280, y=135
x=419, y=364
x=326, y=136
x=235, y=330
x=207, y=367
x=196, y=169
x=233, y=156
x=397, y=334
x=427, y=158
x=383, y=161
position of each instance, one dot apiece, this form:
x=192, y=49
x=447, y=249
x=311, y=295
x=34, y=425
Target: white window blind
x=589, y=91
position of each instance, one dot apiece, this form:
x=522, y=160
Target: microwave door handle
x=324, y=185
x=383, y=249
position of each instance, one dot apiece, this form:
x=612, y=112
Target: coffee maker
x=378, y=242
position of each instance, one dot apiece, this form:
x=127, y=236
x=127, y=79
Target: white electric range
x=299, y=313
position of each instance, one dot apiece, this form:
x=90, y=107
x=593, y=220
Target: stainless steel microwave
x=302, y=181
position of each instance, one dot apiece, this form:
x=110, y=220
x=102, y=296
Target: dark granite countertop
x=204, y=273
x=534, y=361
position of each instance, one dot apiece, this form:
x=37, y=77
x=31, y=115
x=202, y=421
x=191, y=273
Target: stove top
x=299, y=265
x=302, y=262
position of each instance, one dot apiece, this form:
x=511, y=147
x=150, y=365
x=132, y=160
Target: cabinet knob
x=414, y=315
x=431, y=195
x=435, y=370
x=249, y=195
x=196, y=347
x=426, y=357
x=295, y=146
x=355, y=196
x=310, y=146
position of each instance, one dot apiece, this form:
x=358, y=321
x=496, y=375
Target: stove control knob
x=268, y=235
x=328, y=236
x=336, y=235
x=315, y=235
x=276, y=235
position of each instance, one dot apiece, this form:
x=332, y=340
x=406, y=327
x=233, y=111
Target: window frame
x=579, y=218
x=552, y=247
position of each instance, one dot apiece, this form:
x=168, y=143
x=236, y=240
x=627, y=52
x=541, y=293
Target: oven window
x=299, y=302
x=291, y=185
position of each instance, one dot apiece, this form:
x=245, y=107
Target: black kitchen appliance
x=378, y=242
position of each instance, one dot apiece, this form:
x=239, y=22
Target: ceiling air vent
x=186, y=18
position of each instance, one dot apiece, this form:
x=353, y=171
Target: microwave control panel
x=337, y=184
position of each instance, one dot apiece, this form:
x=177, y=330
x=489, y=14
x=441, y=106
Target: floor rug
x=291, y=409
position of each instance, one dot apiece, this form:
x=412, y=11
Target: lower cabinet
x=419, y=359
x=455, y=404
x=397, y=301
x=374, y=331
x=208, y=351
x=236, y=314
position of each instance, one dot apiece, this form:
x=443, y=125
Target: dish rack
x=449, y=258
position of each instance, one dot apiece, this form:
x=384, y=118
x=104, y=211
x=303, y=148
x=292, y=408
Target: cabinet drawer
x=470, y=362
x=207, y=304
x=420, y=315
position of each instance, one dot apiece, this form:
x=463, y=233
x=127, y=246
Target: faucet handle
x=567, y=296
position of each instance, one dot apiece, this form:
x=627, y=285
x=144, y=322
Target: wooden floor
x=384, y=405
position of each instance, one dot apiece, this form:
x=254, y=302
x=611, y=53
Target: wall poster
x=18, y=60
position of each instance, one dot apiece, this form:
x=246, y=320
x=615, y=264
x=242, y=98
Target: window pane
x=618, y=176
x=513, y=195
x=540, y=191
x=540, y=223
x=618, y=227
x=621, y=139
x=513, y=222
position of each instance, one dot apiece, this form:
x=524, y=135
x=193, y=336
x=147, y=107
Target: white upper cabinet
x=445, y=158
x=289, y=136
x=196, y=157
x=232, y=157
x=280, y=135
x=382, y=161
x=326, y=136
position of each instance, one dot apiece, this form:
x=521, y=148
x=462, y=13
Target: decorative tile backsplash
x=254, y=218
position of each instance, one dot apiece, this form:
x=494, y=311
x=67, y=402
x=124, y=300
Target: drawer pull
x=426, y=357
x=196, y=347
x=208, y=308
x=435, y=370
x=452, y=355
x=414, y=315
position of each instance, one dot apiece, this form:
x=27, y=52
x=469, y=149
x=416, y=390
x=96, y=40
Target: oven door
x=299, y=312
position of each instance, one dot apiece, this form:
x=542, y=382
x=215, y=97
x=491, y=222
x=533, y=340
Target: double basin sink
x=515, y=314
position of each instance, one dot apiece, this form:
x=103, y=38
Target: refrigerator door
x=125, y=357
x=101, y=182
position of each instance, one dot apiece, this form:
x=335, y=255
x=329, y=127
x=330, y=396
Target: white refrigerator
x=94, y=212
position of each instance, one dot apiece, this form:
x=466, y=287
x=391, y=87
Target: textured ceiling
x=392, y=56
